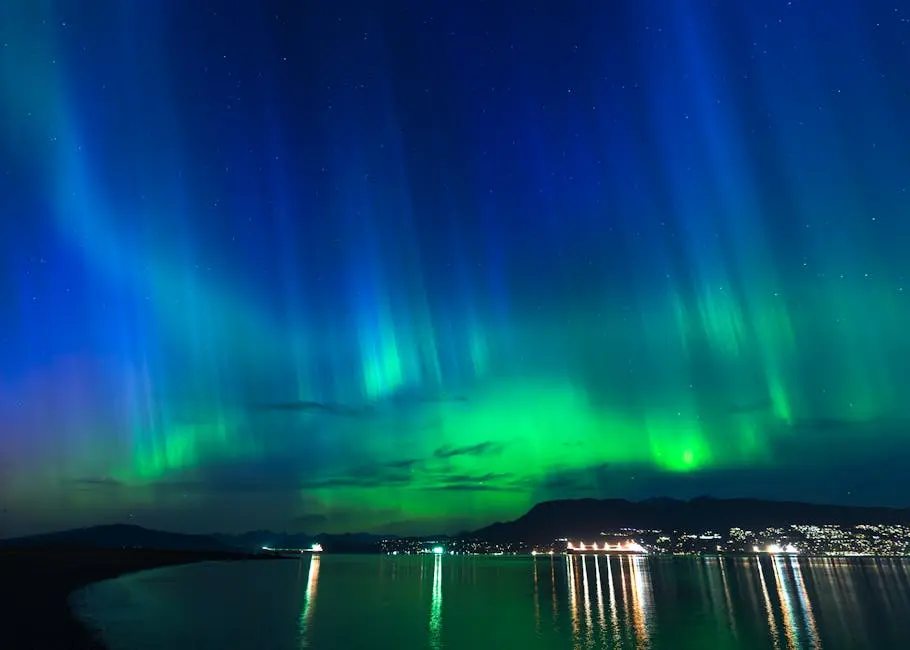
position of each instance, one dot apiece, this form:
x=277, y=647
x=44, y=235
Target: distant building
x=606, y=547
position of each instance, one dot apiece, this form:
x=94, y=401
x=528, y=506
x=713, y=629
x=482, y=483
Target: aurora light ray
x=293, y=267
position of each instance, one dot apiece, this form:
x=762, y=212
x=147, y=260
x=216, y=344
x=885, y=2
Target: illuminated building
x=619, y=547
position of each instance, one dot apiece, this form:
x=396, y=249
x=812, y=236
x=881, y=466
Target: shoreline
x=36, y=584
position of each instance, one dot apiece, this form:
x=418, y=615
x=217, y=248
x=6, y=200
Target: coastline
x=36, y=583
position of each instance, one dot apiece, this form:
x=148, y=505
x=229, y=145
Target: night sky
x=414, y=266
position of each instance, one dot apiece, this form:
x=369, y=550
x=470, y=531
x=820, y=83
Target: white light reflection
x=573, y=598
x=536, y=599
x=641, y=600
x=709, y=587
x=553, y=585
x=309, y=601
x=589, y=631
x=786, y=605
x=727, y=599
x=805, y=605
x=601, y=618
x=772, y=622
x=436, y=604
x=614, y=614
x=623, y=583
x=792, y=630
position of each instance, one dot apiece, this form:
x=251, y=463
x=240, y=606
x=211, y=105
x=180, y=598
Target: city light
x=777, y=549
x=805, y=540
x=619, y=547
x=438, y=550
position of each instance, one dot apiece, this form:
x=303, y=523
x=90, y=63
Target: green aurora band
x=748, y=332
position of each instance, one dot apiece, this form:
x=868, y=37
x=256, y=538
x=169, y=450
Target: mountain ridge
x=550, y=520
x=542, y=523
x=118, y=536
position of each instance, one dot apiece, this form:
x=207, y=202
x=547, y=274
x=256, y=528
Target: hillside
x=589, y=517
x=118, y=536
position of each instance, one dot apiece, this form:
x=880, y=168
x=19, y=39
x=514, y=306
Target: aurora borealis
x=416, y=266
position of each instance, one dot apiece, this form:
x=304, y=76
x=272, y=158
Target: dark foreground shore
x=36, y=583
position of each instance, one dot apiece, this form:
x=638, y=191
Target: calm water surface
x=475, y=603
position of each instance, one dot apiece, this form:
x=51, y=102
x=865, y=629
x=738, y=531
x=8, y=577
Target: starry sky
x=414, y=266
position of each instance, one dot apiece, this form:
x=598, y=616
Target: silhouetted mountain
x=351, y=542
x=589, y=517
x=344, y=543
x=256, y=539
x=118, y=536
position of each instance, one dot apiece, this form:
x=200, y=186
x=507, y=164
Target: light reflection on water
x=769, y=608
x=577, y=602
x=309, y=600
x=436, y=606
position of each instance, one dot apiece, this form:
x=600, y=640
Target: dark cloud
x=406, y=463
x=562, y=482
x=346, y=410
x=310, y=520
x=100, y=482
x=430, y=526
x=273, y=476
x=312, y=407
x=364, y=481
x=572, y=483
x=416, y=398
x=280, y=476
x=217, y=486
x=473, y=487
x=490, y=482
x=480, y=449
x=341, y=520
x=398, y=473
x=191, y=486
